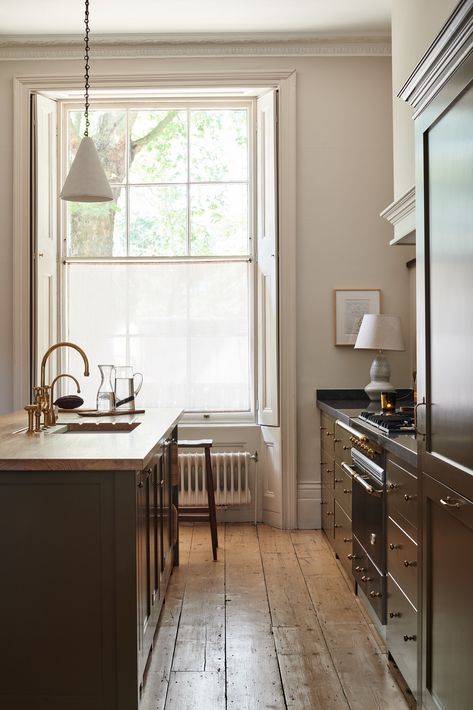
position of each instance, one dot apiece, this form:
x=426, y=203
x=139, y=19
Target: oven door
x=368, y=510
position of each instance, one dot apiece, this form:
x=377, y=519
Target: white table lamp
x=380, y=332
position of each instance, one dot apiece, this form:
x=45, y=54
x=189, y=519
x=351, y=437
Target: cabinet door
x=448, y=582
x=142, y=563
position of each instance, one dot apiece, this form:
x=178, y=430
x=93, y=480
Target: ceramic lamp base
x=380, y=373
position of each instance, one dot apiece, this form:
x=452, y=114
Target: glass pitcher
x=125, y=389
x=106, y=394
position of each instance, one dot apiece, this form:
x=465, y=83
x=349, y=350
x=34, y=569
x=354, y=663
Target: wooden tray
x=95, y=413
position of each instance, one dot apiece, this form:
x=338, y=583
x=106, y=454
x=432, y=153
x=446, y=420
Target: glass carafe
x=125, y=388
x=106, y=393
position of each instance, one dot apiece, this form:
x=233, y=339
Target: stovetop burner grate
x=401, y=422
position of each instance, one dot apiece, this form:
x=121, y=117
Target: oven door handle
x=348, y=469
x=368, y=488
x=358, y=435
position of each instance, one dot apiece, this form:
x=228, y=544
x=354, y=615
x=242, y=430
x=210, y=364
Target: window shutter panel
x=267, y=261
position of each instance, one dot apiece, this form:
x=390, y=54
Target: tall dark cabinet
x=441, y=92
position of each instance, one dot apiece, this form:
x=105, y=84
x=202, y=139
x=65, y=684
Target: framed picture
x=350, y=305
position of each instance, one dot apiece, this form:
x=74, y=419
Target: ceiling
x=340, y=17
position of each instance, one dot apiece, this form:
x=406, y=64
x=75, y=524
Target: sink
x=96, y=427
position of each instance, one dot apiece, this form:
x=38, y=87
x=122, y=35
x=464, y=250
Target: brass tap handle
x=37, y=418
x=30, y=409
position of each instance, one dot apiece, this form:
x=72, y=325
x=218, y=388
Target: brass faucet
x=43, y=394
x=51, y=414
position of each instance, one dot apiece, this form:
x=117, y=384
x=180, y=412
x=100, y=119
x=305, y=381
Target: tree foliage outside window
x=180, y=181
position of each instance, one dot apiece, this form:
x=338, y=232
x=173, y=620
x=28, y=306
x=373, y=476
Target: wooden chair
x=193, y=514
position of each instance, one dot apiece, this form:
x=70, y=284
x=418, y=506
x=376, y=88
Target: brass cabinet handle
x=374, y=594
x=329, y=512
x=322, y=428
x=392, y=546
x=346, y=448
x=329, y=470
x=338, y=480
x=348, y=469
x=410, y=564
x=407, y=497
x=420, y=404
x=351, y=556
x=336, y=525
x=360, y=569
x=393, y=486
x=395, y=614
x=346, y=490
x=347, y=539
x=330, y=433
x=409, y=638
x=365, y=578
x=450, y=502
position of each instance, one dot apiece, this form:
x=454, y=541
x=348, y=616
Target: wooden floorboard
x=272, y=624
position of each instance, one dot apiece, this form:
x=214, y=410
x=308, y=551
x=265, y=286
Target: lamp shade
x=380, y=332
x=86, y=181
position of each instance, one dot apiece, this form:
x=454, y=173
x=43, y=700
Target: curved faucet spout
x=62, y=345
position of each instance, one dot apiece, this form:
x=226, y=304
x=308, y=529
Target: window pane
x=108, y=129
x=97, y=228
x=158, y=221
x=218, y=145
x=158, y=146
x=219, y=219
x=184, y=326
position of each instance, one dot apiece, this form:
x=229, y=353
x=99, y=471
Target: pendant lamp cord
x=87, y=67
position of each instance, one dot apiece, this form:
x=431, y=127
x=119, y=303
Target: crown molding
x=402, y=215
x=277, y=44
x=448, y=50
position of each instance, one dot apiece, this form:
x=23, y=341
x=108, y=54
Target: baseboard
x=308, y=505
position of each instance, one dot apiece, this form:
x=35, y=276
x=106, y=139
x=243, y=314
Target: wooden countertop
x=55, y=451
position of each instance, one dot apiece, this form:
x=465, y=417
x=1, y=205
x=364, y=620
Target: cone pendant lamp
x=86, y=181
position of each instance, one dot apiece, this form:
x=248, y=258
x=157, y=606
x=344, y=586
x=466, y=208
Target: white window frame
x=128, y=78
x=194, y=417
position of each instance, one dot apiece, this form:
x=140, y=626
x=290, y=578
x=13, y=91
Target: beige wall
x=344, y=179
x=414, y=27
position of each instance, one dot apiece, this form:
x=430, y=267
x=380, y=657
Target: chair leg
x=211, y=500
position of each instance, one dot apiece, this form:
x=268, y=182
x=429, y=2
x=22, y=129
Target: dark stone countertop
x=346, y=405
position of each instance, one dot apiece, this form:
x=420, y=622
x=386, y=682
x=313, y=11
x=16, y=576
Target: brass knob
x=329, y=512
x=338, y=480
x=407, y=497
x=329, y=470
x=409, y=638
x=346, y=490
x=346, y=448
x=329, y=433
x=395, y=614
x=347, y=539
x=360, y=569
x=374, y=594
x=336, y=441
x=392, y=546
x=371, y=452
x=365, y=578
x=410, y=564
x=335, y=525
x=351, y=556
x=393, y=486
x=322, y=428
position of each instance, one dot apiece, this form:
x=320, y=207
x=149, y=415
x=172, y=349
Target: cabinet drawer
x=343, y=485
x=370, y=580
x=401, y=488
x=327, y=512
x=401, y=634
x=327, y=472
x=402, y=561
x=341, y=445
x=343, y=542
x=327, y=433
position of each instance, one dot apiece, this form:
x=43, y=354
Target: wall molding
x=279, y=44
x=448, y=50
x=402, y=215
x=309, y=495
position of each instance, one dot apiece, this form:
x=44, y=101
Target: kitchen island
x=88, y=539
